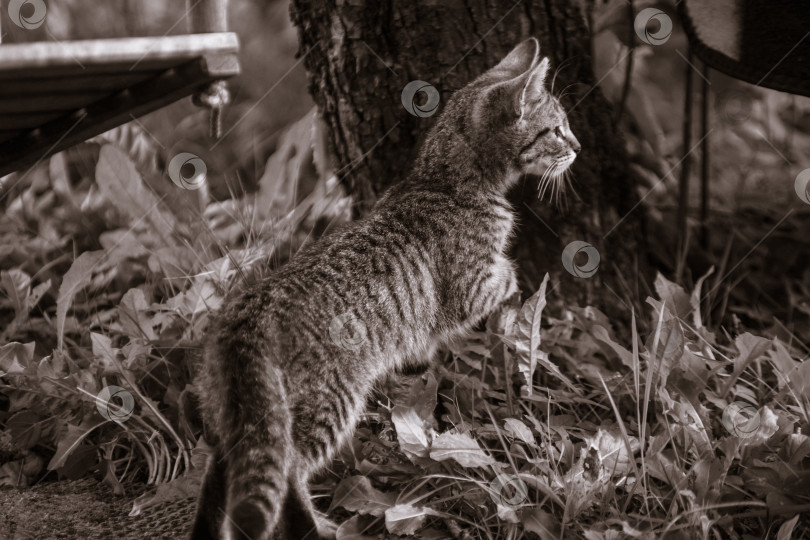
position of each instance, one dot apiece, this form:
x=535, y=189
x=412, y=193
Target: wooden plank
x=4, y=136
x=45, y=103
x=35, y=146
x=17, y=122
x=147, y=67
x=73, y=84
x=124, y=52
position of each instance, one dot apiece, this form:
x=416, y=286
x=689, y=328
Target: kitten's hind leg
x=211, y=504
x=421, y=363
x=300, y=520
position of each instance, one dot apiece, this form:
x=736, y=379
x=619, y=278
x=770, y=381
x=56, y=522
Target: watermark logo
x=584, y=270
x=115, y=403
x=509, y=491
x=741, y=419
x=187, y=171
x=733, y=106
x=642, y=20
x=802, y=185
x=348, y=332
x=28, y=14
x=409, y=93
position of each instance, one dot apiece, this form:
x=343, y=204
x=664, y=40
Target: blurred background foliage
x=269, y=95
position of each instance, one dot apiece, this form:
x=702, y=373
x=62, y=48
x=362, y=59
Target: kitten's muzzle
x=574, y=144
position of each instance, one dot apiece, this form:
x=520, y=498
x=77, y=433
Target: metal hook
x=215, y=97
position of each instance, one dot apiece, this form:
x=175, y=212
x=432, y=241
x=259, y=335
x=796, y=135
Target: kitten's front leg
x=499, y=283
x=508, y=278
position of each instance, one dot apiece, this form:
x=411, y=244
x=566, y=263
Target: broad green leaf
x=405, y=518
x=25, y=428
x=352, y=529
x=518, y=429
x=786, y=529
x=613, y=451
x=136, y=353
x=16, y=285
x=69, y=441
x=20, y=472
x=53, y=366
x=132, y=315
x=785, y=365
x=602, y=337
x=540, y=522
x=173, y=262
x=74, y=280
x=37, y=293
x=178, y=489
x=104, y=352
x=798, y=448
x=122, y=185
x=79, y=462
x=356, y=494
x=122, y=244
x=768, y=426
x=286, y=168
x=422, y=397
x=413, y=418
x=526, y=332
x=202, y=296
x=751, y=348
x=410, y=432
x=459, y=447
x=670, y=343
x=800, y=379
x=140, y=147
x=677, y=301
x=15, y=357
x=527, y=344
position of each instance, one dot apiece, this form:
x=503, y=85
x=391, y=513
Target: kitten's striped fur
x=279, y=393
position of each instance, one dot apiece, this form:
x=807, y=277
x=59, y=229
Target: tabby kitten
x=282, y=389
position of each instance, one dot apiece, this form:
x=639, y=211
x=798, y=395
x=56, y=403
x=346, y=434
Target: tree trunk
x=360, y=54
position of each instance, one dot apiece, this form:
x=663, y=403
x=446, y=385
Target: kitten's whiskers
x=545, y=180
x=556, y=179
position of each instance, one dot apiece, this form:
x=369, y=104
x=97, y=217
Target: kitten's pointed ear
x=519, y=61
x=535, y=88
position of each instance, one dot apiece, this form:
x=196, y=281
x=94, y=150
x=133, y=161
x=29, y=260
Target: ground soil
x=87, y=509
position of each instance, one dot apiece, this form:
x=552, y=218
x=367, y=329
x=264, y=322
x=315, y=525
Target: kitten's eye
x=558, y=131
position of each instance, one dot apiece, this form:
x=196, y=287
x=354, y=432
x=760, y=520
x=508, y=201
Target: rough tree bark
x=360, y=54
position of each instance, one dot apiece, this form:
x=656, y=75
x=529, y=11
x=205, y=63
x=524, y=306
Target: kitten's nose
x=574, y=144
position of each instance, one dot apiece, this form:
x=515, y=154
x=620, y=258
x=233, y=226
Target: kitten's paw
x=327, y=529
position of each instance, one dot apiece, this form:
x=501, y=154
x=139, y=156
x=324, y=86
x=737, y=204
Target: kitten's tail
x=258, y=462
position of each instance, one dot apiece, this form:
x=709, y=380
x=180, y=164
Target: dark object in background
x=58, y=94
x=763, y=43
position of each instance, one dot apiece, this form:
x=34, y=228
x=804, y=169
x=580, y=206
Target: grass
x=539, y=424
